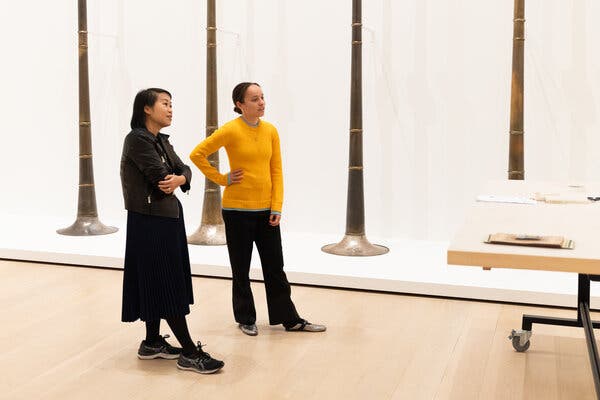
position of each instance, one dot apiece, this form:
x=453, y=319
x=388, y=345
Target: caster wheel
x=516, y=342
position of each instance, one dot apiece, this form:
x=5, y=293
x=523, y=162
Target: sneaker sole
x=205, y=372
x=159, y=355
x=306, y=330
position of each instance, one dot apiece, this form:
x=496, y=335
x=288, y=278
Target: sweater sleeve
x=199, y=156
x=276, y=174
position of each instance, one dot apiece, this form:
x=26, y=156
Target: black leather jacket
x=143, y=164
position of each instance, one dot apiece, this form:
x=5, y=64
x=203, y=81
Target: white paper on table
x=505, y=199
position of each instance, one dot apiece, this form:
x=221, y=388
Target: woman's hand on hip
x=236, y=176
x=274, y=219
x=170, y=183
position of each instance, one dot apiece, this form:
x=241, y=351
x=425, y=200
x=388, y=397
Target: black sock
x=152, y=331
x=181, y=332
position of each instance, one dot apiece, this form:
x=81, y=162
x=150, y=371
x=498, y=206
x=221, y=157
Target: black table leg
x=584, y=312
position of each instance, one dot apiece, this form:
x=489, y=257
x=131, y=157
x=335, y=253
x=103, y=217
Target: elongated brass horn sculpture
x=87, y=222
x=516, y=167
x=212, y=228
x=355, y=241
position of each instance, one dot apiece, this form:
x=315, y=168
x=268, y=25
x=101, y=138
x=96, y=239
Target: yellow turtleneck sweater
x=256, y=151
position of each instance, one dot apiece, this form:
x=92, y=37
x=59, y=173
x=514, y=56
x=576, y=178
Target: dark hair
x=145, y=97
x=239, y=92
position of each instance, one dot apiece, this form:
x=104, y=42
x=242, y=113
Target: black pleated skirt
x=157, y=281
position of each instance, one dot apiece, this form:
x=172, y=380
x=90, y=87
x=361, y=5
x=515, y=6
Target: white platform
x=416, y=267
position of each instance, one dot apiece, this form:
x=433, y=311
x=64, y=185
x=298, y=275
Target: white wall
x=436, y=81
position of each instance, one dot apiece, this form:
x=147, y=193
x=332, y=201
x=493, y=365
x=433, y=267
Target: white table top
x=577, y=221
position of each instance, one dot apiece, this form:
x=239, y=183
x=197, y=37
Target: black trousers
x=243, y=228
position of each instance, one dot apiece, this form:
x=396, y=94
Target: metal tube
x=516, y=167
x=212, y=228
x=355, y=242
x=87, y=222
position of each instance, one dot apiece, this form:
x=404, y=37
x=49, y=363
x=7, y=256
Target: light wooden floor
x=62, y=339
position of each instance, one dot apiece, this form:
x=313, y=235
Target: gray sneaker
x=250, y=330
x=160, y=349
x=201, y=363
x=304, y=325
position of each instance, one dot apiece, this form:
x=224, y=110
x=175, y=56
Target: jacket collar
x=149, y=135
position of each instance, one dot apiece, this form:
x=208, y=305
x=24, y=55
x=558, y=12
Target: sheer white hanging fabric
x=436, y=90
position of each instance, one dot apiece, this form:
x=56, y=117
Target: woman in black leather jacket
x=157, y=282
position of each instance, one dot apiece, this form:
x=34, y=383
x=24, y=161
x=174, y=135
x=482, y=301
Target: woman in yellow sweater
x=252, y=203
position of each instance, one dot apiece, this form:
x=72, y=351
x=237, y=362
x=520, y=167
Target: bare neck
x=252, y=121
x=152, y=127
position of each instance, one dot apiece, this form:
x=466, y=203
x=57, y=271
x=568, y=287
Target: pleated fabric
x=157, y=281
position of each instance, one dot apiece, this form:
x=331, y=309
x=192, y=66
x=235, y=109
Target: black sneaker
x=201, y=362
x=160, y=349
